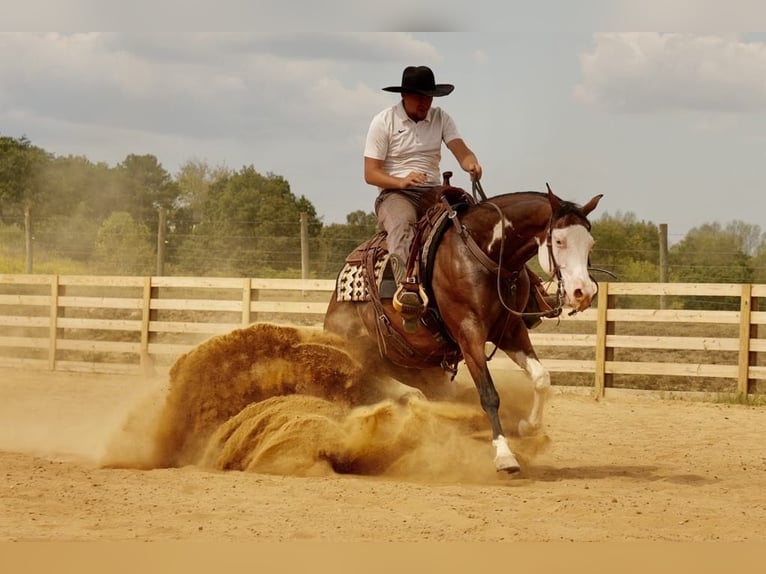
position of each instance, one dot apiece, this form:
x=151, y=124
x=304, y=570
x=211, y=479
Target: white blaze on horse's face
x=571, y=247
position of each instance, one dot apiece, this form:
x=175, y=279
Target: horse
x=477, y=285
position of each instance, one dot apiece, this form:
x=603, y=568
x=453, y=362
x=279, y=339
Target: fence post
x=28, y=245
x=147, y=366
x=255, y=295
x=246, y=298
x=53, y=325
x=599, y=385
x=161, y=229
x=746, y=358
x=663, y=262
x=304, y=246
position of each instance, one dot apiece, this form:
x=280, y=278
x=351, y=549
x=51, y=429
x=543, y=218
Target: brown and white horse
x=478, y=287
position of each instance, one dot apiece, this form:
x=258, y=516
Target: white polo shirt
x=406, y=146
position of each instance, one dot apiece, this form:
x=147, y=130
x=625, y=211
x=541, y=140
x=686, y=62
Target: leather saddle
x=367, y=276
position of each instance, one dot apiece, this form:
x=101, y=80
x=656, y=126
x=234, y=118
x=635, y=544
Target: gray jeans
x=397, y=214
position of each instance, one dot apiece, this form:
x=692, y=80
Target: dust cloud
x=293, y=401
x=65, y=416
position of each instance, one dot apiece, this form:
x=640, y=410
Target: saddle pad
x=352, y=281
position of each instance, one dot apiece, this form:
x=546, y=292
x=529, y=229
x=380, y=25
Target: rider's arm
x=374, y=175
x=465, y=157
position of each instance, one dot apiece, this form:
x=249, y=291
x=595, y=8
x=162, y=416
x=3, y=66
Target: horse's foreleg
x=541, y=378
x=490, y=402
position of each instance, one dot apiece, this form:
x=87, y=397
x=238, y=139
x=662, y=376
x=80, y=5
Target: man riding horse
x=472, y=258
x=401, y=158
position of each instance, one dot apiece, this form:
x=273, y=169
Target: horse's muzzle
x=580, y=298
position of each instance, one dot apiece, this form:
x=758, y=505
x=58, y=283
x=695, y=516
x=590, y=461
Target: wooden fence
x=142, y=324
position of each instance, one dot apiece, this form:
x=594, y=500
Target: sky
x=669, y=126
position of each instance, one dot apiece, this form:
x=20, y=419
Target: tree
x=249, y=223
x=749, y=237
x=710, y=254
x=338, y=240
x=79, y=195
x=21, y=170
x=194, y=180
x=21, y=165
x=626, y=247
x=124, y=246
x=147, y=187
x=759, y=264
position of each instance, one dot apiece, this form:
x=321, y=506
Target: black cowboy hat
x=420, y=80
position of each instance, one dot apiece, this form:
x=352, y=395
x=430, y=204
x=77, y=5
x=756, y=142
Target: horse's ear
x=591, y=205
x=554, y=201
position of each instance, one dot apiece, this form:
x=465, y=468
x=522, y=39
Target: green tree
x=626, y=247
x=21, y=169
x=74, y=183
x=249, y=223
x=194, y=180
x=759, y=265
x=710, y=254
x=147, y=187
x=338, y=240
x=79, y=195
x=124, y=246
x=749, y=237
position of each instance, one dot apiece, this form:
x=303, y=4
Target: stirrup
x=411, y=304
x=407, y=302
x=410, y=307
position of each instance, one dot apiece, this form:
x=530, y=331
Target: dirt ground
x=81, y=460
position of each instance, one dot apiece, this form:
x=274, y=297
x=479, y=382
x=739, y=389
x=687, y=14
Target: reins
x=477, y=190
x=497, y=267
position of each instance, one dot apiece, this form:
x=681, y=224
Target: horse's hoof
x=504, y=458
x=507, y=464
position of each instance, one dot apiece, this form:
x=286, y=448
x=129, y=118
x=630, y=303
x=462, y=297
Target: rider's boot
x=407, y=298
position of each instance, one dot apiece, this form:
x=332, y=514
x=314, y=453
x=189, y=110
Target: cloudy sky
x=668, y=126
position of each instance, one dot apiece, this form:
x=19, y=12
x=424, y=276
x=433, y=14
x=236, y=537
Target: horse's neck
x=519, y=218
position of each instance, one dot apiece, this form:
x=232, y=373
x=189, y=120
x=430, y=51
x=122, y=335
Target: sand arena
x=273, y=433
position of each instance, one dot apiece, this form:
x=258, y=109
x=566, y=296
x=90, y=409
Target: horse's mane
x=517, y=193
x=565, y=207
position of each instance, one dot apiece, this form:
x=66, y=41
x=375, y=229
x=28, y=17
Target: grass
x=752, y=400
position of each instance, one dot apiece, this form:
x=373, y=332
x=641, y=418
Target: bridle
x=503, y=273
x=556, y=273
x=500, y=272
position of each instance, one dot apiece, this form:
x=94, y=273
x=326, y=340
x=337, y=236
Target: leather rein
x=497, y=268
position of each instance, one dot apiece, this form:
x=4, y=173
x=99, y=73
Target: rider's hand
x=413, y=178
x=475, y=170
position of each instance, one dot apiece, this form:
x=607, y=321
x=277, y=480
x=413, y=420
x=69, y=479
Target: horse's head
x=565, y=252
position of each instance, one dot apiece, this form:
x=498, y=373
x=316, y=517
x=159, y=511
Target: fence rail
x=139, y=324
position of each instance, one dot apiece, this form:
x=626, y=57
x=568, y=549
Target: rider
x=401, y=158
